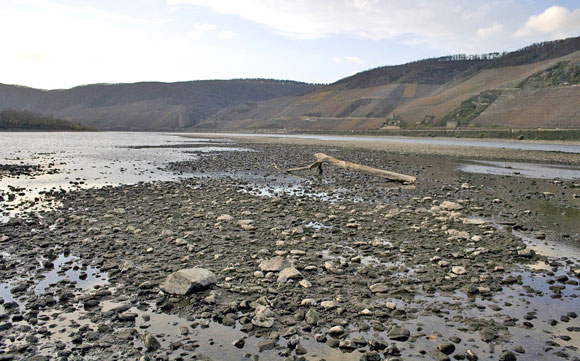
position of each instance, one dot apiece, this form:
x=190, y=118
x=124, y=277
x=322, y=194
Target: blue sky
x=63, y=43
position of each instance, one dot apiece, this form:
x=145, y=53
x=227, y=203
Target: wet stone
x=150, y=342
x=185, y=281
x=507, y=356
x=398, y=333
x=438, y=355
x=265, y=345
x=446, y=348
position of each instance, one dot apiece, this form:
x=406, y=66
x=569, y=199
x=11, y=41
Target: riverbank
x=572, y=135
x=337, y=267
x=495, y=150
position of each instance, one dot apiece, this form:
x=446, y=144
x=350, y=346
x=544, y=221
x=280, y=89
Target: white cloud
x=491, y=30
x=554, y=20
x=336, y=59
x=354, y=59
x=227, y=35
x=199, y=31
x=372, y=19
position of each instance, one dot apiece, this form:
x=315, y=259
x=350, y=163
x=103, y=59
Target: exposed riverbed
x=459, y=265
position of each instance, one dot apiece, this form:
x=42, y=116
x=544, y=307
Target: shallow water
x=541, y=146
x=64, y=268
x=528, y=170
x=82, y=160
x=83, y=278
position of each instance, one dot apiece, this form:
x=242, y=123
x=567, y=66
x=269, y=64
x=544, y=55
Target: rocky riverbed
x=241, y=261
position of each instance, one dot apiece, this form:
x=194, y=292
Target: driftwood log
x=322, y=158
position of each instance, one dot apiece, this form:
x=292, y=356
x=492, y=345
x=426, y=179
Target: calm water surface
x=546, y=147
x=89, y=160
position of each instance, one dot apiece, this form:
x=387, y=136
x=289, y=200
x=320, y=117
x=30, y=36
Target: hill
x=147, y=105
x=536, y=86
x=472, y=90
x=25, y=120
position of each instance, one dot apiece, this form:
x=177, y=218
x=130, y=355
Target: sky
x=55, y=44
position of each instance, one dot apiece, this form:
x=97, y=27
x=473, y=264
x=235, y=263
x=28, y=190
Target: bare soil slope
x=425, y=93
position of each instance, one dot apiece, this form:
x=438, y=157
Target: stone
x=474, y=221
x=264, y=317
x=527, y=253
x=347, y=344
x=308, y=302
x=471, y=356
x=438, y=355
x=507, y=356
x=225, y=218
x=125, y=333
x=328, y=305
x=187, y=280
x=458, y=270
x=239, y=343
x=451, y=206
x=305, y=283
x=275, y=264
x=265, y=345
x=488, y=334
x=289, y=273
x=126, y=266
x=398, y=333
x=379, y=288
x=150, y=342
x=447, y=348
x=371, y=356
x=336, y=330
x=311, y=317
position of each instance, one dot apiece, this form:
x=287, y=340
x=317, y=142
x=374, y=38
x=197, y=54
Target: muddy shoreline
x=337, y=267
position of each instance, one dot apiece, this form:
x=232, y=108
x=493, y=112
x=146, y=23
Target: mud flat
x=341, y=266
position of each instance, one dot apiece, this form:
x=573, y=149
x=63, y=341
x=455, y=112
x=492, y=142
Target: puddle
x=83, y=278
x=295, y=190
x=214, y=340
x=5, y=292
x=529, y=170
x=65, y=268
x=549, y=248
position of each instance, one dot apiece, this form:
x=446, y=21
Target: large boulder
x=187, y=280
